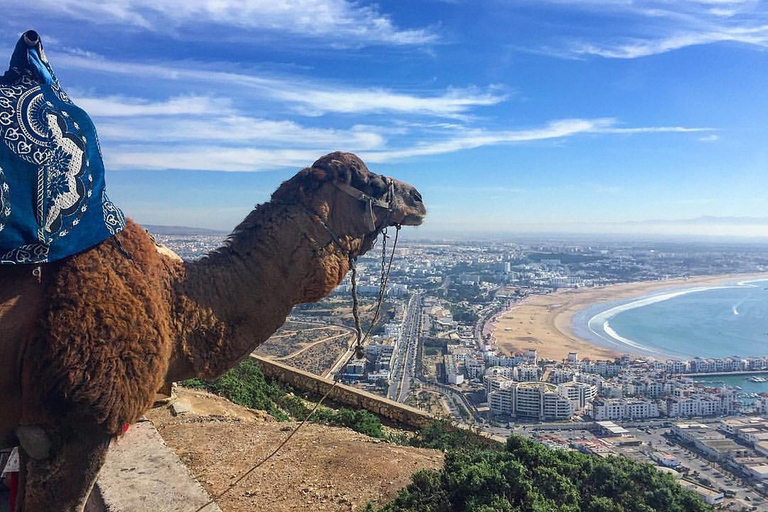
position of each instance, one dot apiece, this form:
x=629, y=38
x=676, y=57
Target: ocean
x=683, y=323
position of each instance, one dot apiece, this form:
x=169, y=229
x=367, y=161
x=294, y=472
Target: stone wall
x=344, y=395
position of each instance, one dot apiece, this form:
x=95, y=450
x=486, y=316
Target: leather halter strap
x=386, y=202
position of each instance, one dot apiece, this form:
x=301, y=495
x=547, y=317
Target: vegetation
x=480, y=475
x=444, y=435
x=246, y=385
x=528, y=477
x=463, y=314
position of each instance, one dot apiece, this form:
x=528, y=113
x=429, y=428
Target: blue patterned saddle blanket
x=53, y=200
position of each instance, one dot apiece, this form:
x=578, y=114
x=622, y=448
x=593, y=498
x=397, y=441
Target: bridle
x=387, y=204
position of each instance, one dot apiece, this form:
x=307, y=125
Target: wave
x=599, y=324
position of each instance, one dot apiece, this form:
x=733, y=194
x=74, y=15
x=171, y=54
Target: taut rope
x=272, y=454
x=359, y=352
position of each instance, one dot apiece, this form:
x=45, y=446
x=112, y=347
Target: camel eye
x=378, y=186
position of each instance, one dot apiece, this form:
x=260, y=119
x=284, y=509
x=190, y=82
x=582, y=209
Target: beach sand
x=544, y=322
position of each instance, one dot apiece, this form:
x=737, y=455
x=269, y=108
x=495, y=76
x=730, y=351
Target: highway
x=406, y=351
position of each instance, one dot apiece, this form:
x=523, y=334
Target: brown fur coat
x=104, y=332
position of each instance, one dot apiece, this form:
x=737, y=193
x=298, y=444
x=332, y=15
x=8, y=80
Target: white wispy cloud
x=234, y=130
x=121, y=106
x=208, y=158
x=305, y=96
x=329, y=20
x=452, y=103
x=641, y=28
x=757, y=36
x=559, y=129
x=160, y=137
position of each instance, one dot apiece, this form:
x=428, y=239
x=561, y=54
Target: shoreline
x=546, y=322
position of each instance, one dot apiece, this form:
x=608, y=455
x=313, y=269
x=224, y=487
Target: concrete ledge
x=346, y=395
x=142, y=474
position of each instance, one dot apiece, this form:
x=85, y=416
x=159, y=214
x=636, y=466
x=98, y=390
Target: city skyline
x=635, y=117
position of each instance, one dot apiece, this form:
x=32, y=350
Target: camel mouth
x=412, y=220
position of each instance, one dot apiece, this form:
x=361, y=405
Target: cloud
x=233, y=130
x=559, y=129
x=302, y=95
x=207, y=158
x=205, y=133
x=453, y=103
x=328, y=20
x=641, y=28
x=757, y=36
x=225, y=144
x=120, y=106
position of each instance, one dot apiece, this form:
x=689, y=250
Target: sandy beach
x=543, y=322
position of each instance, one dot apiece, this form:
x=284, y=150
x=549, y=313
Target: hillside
x=321, y=468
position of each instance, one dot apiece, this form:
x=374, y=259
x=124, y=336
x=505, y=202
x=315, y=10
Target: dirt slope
x=320, y=468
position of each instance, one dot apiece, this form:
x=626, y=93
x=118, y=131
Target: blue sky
x=509, y=116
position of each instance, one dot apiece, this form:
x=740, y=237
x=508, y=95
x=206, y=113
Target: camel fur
x=83, y=352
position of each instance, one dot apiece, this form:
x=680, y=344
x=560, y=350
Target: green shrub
x=529, y=477
x=246, y=385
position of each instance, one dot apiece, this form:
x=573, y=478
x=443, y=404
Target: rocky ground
x=320, y=467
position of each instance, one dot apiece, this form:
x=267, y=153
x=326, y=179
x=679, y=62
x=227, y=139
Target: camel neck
x=234, y=299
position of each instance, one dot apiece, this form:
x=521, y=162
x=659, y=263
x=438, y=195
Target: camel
x=86, y=343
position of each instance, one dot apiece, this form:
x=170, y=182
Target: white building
x=527, y=373
x=474, y=368
x=494, y=383
x=624, y=409
x=537, y=400
x=380, y=355
x=508, y=372
x=707, y=405
x=579, y=393
x=561, y=375
x=452, y=373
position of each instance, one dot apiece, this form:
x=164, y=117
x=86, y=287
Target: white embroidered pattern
x=5, y=200
x=49, y=139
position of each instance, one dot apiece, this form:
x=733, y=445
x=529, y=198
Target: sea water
x=682, y=323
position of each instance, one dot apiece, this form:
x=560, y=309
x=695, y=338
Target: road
x=406, y=351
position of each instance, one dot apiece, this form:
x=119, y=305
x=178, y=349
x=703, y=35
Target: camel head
x=353, y=203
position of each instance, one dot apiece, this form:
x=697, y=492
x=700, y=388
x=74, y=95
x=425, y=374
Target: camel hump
x=167, y=252
x=162, y=249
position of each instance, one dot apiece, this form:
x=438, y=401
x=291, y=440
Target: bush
x=246, y=385
x=527, y=476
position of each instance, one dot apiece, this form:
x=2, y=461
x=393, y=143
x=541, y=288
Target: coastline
x=546, y=322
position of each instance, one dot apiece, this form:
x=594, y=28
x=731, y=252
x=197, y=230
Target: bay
x=714, y=322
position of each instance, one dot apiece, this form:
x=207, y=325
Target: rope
x=358, y=348
x=385, y=271
x=355, y=309
x=272, y=454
